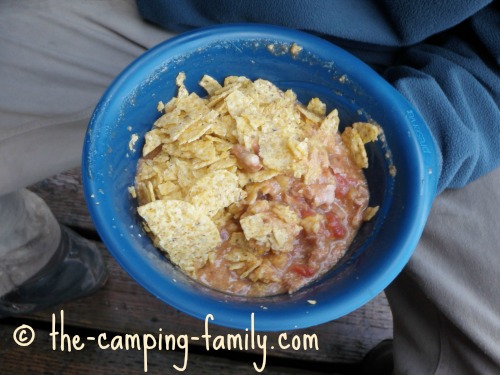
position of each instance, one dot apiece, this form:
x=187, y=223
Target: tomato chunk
x=302, y=270
x=306, y=211
x=334, y=226
x=343, y=185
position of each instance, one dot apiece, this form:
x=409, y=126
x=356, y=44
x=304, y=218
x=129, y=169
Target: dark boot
x=77, y=269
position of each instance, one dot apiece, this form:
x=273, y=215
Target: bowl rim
x=304, y=315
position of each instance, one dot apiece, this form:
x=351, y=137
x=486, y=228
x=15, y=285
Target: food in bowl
x=249, y=191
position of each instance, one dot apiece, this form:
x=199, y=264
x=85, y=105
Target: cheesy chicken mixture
x=249, y=191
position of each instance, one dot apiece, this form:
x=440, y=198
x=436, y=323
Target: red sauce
x=330, y=212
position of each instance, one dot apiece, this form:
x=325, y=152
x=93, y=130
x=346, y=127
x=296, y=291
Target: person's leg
x=30, y=235
x=56, y=59
x=41, y=263
x=446, y=303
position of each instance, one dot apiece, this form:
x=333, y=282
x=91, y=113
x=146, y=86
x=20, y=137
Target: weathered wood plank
x=40, y=358
x=123, y=306
x=64, y=194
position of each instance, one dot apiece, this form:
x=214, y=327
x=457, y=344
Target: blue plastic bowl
x=381, y=249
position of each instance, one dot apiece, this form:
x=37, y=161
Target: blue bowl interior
x=382, y=247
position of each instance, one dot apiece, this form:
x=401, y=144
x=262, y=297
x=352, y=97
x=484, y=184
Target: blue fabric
x=442, y=56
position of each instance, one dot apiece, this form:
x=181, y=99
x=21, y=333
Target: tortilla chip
x=274, y=150
x=183, y=232
x=352, y=140
x=317, y=107
x=210, y=85
x=368, y=132
x=215, y=191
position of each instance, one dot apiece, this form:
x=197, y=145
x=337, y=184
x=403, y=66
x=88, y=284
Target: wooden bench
x=123, y=307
